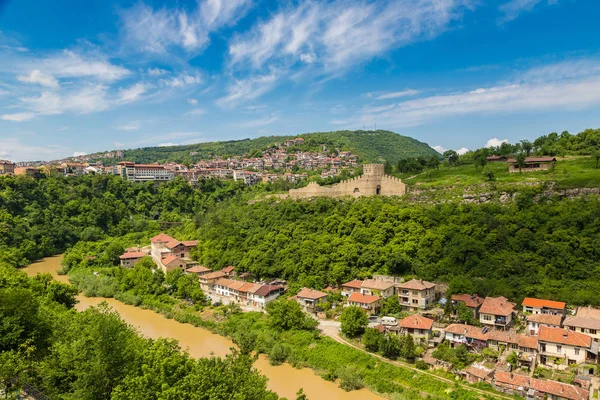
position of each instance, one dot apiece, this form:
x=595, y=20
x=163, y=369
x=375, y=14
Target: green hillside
x=369, y=146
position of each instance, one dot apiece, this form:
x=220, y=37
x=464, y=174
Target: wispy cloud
x=18, y=117
x=130, y=126
x=84, y=101
x=395, y=95
x=257, y=123
x=132, y=93
x=160, y=30
x=248, y=89
x=13, y=149
x=513, y=8
x=532, y=92
x=38, y=77
x=71, y=64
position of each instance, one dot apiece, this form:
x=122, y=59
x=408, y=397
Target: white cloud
x=69, y=64
x=156, y=31
x=395, y=95
x=130, y=126
x=14, y=150
x=513, y=8
x=40, y=78
x=167, y=144
x=87, y=100
x=495, y=142
x=62, y=129
x=132, y=93
x=256, y=123
x=79, y=153
x=248, y=89
x=157, y=71
x=440, y=149
x=182, y=80
x=192, y=101
x=340, y=34
x=18, y=117
x=462, y=150
x=535, y=91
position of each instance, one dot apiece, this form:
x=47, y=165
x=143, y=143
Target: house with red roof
x=531, y=164
x=377, y=287
x=537, y=389
x=370, y=304
x=472, y=301
x=534, y=321
x=496, y=312
x=539, y=306
x=351, y=287
x=130, y=258
x=477, y=373
x=587, y=320
x=559, y=348
x=169, y=253
x=417, y=326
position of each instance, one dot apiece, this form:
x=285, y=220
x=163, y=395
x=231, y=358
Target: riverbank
x=284, y=380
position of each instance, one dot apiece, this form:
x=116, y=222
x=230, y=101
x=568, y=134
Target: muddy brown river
x=284, y=379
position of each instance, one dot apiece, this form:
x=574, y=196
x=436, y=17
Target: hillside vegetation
x=369, y=146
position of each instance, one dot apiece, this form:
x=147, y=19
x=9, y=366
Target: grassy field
x=569, y=172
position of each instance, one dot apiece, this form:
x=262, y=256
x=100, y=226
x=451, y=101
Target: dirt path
x=330, y=329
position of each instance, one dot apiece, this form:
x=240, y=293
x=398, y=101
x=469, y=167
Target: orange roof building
x=496, y=312
x=539, y=306
x=417, y=322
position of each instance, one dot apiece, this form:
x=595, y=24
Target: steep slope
x=369, y=146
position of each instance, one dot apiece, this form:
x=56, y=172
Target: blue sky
x=79, y=77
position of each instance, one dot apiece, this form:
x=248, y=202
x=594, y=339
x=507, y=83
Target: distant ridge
x=369, y=146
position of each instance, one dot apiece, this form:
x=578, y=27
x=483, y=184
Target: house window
x=415, y=301
x=558, y=348
x=592, y=331
x=576, y=351
x=487, y=317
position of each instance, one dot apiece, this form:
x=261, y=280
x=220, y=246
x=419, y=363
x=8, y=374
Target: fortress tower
x=372, y=182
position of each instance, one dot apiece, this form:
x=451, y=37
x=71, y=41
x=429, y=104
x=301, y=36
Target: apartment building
x=539, y=306
x=416, y=294
x=143, y=172
x=169, y=253
x=7, y=167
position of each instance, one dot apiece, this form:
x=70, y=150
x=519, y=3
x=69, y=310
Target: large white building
x=143, y=172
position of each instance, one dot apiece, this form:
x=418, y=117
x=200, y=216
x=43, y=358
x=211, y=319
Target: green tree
x=489, y=175
x=408, y=349
x=391, y=346
x=354, y=321
x=513, y=360
x=300, y=395
x=527, y=147
x=287, y=314
x=520, y=161
x=390, y=306
x=464, y=314
x=451, y=156
x=371, y=340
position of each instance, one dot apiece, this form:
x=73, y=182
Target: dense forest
x=94, y=355
x=369, y=146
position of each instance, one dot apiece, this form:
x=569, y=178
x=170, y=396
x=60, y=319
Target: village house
x=587, y=320
x=471, y=336
x=560, y=348
x=472, y=301
x=478, y=373
x=496, y=312
x=510, y=383
x=375, y=287
x=32, y=172
x=229, y=271
x=531, y=164
x=538, y=306
x=418, y=326
x=370, y=304
x=169, y=253
x=7, y=167
x=199, y=270
x=534, y=321
x=132, y=257
x=309, y=298
x=264, y=295
x=416, y=294
x=351, y=287
x=207, y=281
x=537, y=389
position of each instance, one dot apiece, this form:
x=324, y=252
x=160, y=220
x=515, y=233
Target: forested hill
x=369, y=146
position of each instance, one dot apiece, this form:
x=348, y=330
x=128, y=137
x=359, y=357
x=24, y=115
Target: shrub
x=350, y=378
x=278, y=354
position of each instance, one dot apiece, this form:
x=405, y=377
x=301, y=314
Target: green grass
x=569, y=172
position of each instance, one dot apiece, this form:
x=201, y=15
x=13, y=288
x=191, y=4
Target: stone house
x=559, y=348
x=369, y=303
x=539, y=306
x=309, y=298
x=496, y=312
x=416, y=294
x=531, y=164
x=587, y=320
x=534, y=321
x=478, y=373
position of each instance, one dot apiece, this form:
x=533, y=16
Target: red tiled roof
x=355, y=284
x=266, y=290
x=161, y=238
x=497, y=306
x=582, y=322
x=503, y=336
x=533, y=159
x=169, y=259
x=473, y=301
x=133, y=254
x=479, y=371
x=213, y=275
x=511, y=379
x=528, y=342
x=307, y=293
x=198, y=269
x=539, y=303
x=417, y=284
x=417, y=322
x=467, y=331
x=229, y=269
x=190, y=243
x=559, y=389
x=563, y=336
x=376, y=284
x=547, y=319
x=357, y=297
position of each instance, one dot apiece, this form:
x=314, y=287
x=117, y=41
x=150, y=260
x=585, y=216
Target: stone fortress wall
x=372, y=182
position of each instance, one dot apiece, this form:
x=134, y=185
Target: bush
x=278, y=354
x=350, y=378
x=420, y=364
